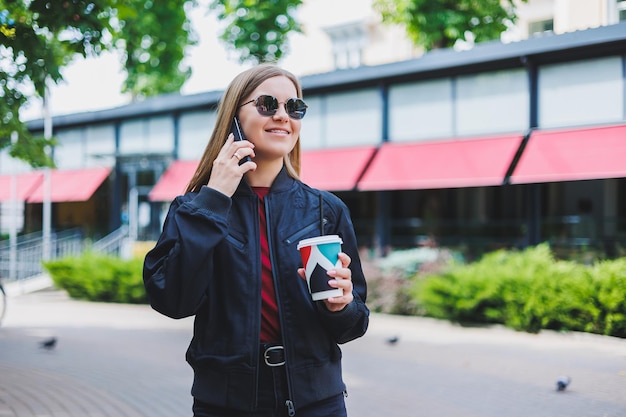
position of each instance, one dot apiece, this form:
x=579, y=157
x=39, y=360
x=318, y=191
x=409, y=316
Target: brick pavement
x=36, y=393
x=110, y=360
x=128, y=361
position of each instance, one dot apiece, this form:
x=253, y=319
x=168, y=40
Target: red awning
x=26, y=183
x=571, y=155
x=173, y=181
x=335, y=169
x=70, y=185
x=441, y=164
x=340, y=169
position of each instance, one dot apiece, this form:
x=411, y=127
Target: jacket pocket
x=307, y=231
x=237, y=240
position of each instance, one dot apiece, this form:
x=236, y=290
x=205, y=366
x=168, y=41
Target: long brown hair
x=239, y=88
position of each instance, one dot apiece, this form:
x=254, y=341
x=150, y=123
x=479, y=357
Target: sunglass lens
x=266, y=105
x=296, y=108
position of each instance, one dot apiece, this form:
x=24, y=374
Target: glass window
x=150, y=135
x=100, y=145
x=195, y=130
x=69, y=152
x=313, y=123
x=581, y=92
x=10, y=165
x=540, y=26
x=493, y=102
x=89, y=146
x=352, y=119
x=420, y=110
x=11, y=216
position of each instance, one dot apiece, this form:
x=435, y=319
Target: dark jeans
x=272, y=397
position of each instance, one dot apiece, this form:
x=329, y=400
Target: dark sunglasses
x=268, y=106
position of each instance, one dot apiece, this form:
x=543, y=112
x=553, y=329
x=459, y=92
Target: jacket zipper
x=259, y=305
x=288, y=403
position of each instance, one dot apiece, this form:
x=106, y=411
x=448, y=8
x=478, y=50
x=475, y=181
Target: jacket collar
x=282, y=182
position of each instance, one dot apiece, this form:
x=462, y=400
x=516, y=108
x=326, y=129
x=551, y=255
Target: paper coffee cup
x=320, y=254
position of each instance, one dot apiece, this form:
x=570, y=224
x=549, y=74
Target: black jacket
x=207, y=263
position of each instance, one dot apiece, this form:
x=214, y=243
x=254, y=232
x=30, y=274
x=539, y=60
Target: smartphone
x=235, y=128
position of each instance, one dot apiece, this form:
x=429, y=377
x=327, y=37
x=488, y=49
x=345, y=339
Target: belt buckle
x=268, y=351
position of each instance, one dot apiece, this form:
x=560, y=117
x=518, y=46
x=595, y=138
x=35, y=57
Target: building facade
x=503, y=145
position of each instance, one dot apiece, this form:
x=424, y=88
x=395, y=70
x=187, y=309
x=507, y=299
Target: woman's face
x=273, y=136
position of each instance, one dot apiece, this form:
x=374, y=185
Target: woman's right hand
x=226, y=173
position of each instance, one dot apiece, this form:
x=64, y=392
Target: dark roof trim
x=602, y=41
x=163, y=104
x=546, y=48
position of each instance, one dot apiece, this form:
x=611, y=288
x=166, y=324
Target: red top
x=270, y=324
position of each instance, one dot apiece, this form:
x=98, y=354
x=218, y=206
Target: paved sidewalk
x=110, y=360
x=128, y=361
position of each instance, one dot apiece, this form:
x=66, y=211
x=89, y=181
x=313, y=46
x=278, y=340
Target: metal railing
x=25, y=260
x=113, y=244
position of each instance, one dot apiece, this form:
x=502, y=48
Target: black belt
x=273, y=354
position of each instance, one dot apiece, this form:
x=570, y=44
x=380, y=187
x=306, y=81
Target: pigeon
x=392, y=340
x=48, y=344
x=562, y=382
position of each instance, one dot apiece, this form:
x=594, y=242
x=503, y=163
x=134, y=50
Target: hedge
x=529, y=290
x=97, y=277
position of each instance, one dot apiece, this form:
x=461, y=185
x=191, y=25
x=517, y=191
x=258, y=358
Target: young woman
x=228, y=255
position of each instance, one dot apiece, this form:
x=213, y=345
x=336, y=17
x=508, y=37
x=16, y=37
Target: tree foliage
x=39, y=37
x=257, y=29
x=154, y=35
x=436, y=24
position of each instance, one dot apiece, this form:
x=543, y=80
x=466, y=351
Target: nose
x=281, y=112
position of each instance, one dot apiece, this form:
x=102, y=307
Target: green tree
x=39, y=37
x=257, y=29
x=154, y=36
x=436, y=24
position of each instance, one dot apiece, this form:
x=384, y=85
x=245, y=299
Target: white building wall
x=572, y=15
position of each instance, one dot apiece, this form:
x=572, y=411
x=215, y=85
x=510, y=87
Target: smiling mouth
x=281, y=131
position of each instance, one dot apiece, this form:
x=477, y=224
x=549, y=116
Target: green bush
x=529, y=290
x=610, y=288
x=389, y=278
x=97, y=277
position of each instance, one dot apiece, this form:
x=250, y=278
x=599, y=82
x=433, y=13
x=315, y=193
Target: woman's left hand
x=339, y=278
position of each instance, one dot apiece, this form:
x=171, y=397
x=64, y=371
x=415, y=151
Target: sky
x=95, y=83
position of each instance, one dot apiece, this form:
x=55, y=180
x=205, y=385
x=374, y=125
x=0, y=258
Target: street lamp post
x=13, y=220
x=47, y=207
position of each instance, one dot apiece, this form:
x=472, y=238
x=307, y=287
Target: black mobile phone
x=238, y=133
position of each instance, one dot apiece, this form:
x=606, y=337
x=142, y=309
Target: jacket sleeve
x=351, y=322
x=176, y=271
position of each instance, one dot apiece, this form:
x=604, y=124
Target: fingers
x=242, y=153
x=345, y=259
x=339, y=278
x=236, y=150
x=339, y=303
x=226, y=172
x=343, y=280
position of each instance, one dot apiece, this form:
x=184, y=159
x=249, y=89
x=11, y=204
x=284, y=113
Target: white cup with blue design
x=319, y=255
